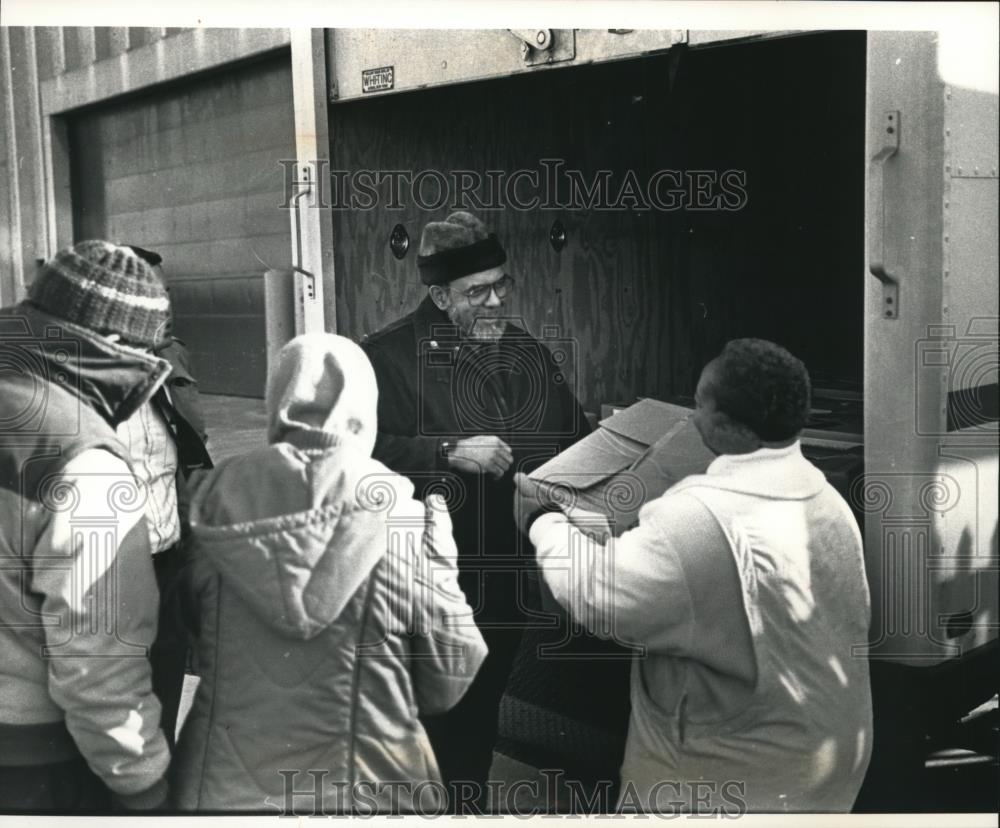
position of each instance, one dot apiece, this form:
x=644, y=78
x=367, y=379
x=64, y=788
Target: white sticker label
x=377, y=80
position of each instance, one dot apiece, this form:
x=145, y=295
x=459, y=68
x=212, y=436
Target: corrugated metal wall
x=172, y=139
x=192, y=172
x=28, y=57
x=23, y=209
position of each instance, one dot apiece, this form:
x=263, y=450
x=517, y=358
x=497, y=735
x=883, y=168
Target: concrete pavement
x=235, y=425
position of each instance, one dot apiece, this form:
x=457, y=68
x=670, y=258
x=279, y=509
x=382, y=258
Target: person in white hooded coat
x=330, y=611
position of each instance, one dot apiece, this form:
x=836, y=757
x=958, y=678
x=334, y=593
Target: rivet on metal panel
x=557, y=235
x=399, y=241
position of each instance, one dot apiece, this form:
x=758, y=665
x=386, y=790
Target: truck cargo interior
x=650, y=294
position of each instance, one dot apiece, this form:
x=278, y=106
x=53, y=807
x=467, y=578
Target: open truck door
x=929, y=493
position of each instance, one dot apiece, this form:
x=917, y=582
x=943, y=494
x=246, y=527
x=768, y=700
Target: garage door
x=191, y=171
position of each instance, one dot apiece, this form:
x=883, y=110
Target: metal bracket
x=677, y=36
x=534, y=38
x=305, y=179
x=542, y=46
x=304, y=281
x=876, y=213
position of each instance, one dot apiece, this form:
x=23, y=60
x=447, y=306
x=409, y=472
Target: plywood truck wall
x=650, y=295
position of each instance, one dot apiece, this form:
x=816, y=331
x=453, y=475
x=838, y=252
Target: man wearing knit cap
x=466, y=399
x=79, y=723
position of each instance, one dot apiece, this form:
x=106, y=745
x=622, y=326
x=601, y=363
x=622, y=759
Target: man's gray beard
x=483, y=328
x=487, y=330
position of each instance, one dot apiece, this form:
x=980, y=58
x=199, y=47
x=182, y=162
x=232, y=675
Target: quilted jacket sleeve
x=93, y=569
x=448, y=648
x=631, y=589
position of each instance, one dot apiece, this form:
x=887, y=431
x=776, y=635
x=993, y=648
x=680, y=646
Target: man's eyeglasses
x=480, y=293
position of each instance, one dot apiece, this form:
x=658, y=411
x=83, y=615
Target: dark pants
x=169, y=654
x=61, y=787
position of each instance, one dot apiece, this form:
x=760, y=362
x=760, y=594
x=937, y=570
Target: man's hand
x=478, y=455
x=530, y=500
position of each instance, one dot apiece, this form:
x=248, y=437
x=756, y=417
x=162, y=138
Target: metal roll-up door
x=191, y=171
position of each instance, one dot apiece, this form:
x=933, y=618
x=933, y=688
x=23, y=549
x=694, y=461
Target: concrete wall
x=46, y=73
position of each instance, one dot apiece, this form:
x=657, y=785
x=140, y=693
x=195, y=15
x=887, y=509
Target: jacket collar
x=310, y=439
x=433, y=329
x=767, y=472
x=173, y=353
x=113, y=379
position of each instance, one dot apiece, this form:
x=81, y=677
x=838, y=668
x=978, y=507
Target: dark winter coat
x=183, y=411
x=436, y=388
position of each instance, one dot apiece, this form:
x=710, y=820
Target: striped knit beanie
x=106, y=288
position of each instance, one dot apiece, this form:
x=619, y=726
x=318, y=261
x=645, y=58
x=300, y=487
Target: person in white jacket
x=330, y=617
x=79, y=721
x=744, y=589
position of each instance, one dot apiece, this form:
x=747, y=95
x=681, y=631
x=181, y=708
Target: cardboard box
x=633, y=457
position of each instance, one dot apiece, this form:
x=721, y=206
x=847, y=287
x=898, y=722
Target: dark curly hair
x=761, y=386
